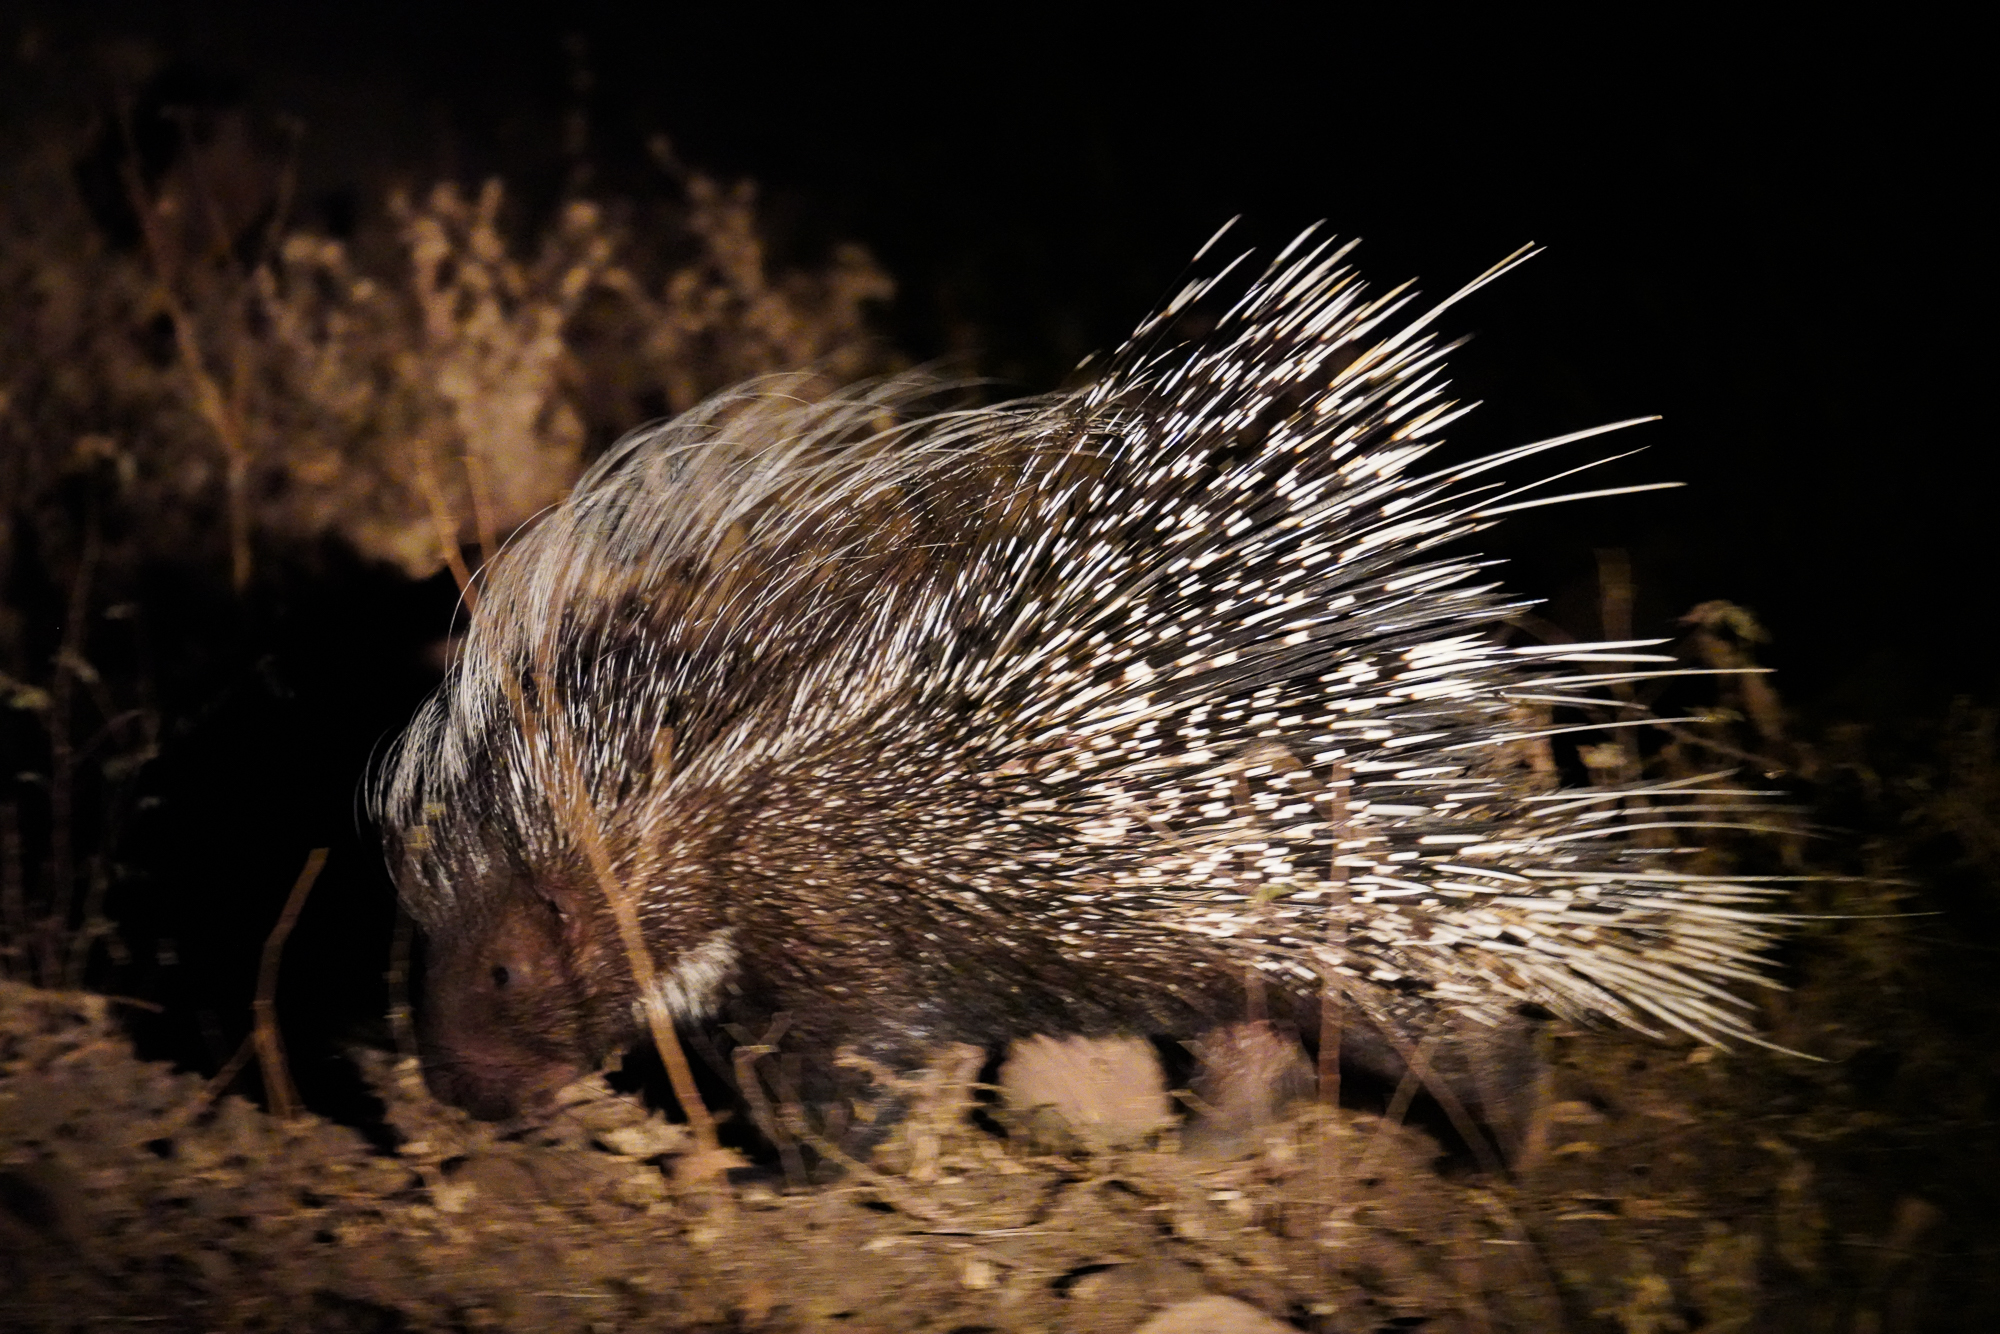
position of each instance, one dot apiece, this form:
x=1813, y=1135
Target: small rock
x=647, y=1139
x=1213, y=1315
x=1106, y=1092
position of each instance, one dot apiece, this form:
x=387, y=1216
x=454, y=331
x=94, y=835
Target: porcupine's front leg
x=826, y=1087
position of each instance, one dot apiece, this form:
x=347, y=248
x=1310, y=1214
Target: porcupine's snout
x=502, y=1022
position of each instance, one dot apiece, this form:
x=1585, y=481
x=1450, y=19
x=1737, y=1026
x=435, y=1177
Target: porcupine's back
x=1073, y=715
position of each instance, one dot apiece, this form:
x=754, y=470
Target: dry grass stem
x=279, y=1091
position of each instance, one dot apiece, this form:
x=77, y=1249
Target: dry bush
x=406, y=417
x=415, y=411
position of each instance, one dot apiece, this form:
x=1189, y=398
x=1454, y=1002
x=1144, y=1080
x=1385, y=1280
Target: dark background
x=1764, y=233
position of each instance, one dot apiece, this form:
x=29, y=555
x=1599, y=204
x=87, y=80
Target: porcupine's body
x=1103, y=712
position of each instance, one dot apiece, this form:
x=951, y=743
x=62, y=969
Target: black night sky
x=1761, y=232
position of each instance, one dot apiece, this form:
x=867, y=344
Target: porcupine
x=1131, y=709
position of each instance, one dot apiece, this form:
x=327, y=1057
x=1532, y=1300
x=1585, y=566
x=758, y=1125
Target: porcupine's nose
x=496, y=1026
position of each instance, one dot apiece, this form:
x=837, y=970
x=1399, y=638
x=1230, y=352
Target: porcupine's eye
x=500, y=976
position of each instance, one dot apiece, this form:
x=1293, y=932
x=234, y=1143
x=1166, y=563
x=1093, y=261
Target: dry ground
x=1673, y=1191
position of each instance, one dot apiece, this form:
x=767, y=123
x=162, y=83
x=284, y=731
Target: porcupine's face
x=508, y=1015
